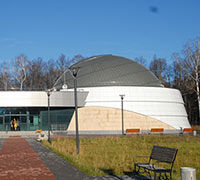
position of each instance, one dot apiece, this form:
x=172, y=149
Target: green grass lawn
x=116, y=154
x=197, y=127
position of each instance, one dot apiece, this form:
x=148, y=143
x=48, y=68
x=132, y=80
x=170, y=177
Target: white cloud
x=12, y=42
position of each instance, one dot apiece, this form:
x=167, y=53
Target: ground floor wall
x=31, y=119
x=104, y=119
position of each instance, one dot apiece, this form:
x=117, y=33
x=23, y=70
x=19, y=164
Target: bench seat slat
x=188, y=130
x=132, y=131
x=152, y=168
x=157, y=130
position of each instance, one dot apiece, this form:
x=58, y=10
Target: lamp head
x=122, y=96
x=74, y=71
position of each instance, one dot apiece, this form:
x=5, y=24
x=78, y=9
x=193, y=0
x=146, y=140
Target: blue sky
x=47, y=28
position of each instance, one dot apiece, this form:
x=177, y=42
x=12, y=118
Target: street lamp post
x=74, y=71
x=48, y=94
x=122, y=110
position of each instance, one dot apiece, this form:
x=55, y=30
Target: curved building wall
x=163, y=104
x=105, y=120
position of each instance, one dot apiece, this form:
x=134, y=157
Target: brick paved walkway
x=18, y=161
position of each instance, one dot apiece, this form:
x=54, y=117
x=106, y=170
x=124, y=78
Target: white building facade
x=100, y=82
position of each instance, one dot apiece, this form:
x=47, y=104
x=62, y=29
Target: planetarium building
x=101, y=82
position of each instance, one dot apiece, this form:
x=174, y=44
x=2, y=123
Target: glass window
x=31, y=119
x=7, y=119
x=1, y=120
x=23, y=119
x=2, y=110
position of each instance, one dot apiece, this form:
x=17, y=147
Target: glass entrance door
x=7, y=123
x=21, y=119
x=34, y=122
x=1, y=123
x=23, y=123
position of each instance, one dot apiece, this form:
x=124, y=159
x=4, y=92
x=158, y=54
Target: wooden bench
x=188, y=130
x=132, y=131
x=157, y=130
x=159, y=155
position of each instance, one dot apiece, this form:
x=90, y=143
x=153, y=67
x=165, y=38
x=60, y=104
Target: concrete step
x=24, y=134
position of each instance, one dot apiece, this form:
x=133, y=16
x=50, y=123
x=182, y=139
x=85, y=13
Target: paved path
x=61, y=168
x=19, y=161
x=27, y=159
x=1, y=143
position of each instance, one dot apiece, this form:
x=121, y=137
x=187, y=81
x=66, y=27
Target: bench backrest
x=157, y=130
x=163, y=154
x=132, y=131
x=188, y=130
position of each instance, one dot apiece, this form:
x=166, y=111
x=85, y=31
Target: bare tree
x=51, y=73
x=178, y=74
x=190, y=63
x=162, y=70
x=35, y=74
x=64, y=63
x=5, y=75
x=158, y=66
x=141, y=60
x=76, y=59
x=20, y=70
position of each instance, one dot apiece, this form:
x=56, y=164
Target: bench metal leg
x=154, y=175
x=139, y=169
x=170, y=175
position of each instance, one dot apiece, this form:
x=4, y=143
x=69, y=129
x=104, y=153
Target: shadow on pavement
x=130, y=175
x=136, y=176
x=110, y=172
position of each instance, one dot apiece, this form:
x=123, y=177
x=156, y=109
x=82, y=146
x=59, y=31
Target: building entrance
x=20, y=119
x=31, y=119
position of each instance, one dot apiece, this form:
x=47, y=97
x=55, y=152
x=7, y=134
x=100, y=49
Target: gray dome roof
x=109, y=70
